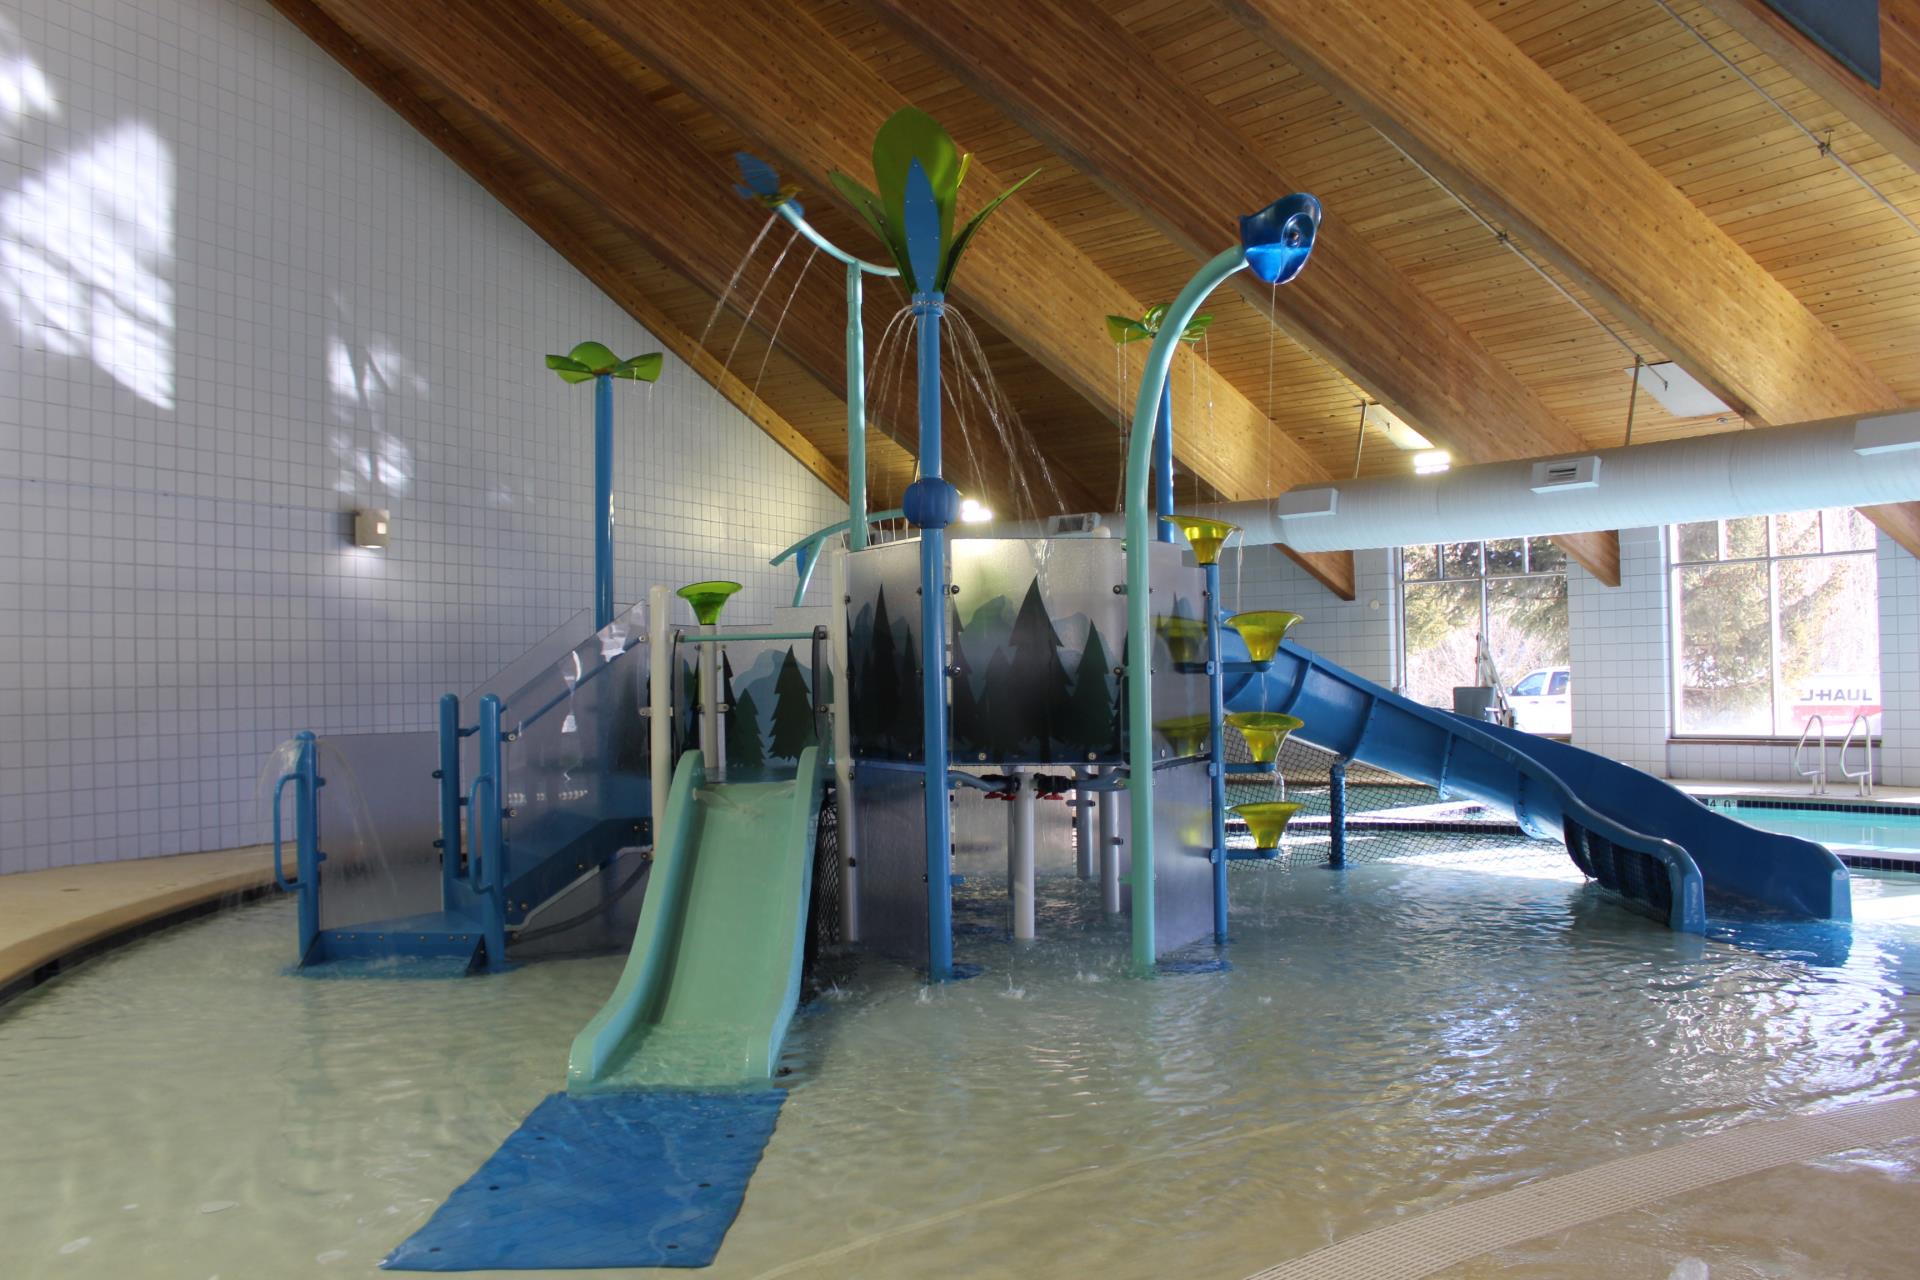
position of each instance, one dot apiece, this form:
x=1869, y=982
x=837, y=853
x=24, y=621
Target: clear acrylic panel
x=578, y=760
x=550, y=649
x=1037, y=632
x=379, y=814
x=883, y=651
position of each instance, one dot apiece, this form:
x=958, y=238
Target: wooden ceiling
x=1521, y=197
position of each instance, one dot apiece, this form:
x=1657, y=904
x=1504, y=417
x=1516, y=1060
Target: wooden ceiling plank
x=1171, y=157
x=788, y=83
x=535, y=82
x=1890, y=114
x=351, y=55
x=1463, y=99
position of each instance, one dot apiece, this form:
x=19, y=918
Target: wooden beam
x=1465, y=102
x=1080, y=82
x=1899, y=521
x=544, y=89
x=1889, y=114
x=1597, y=553
x=815, y=106
x=367, y=69
x=1331, y=569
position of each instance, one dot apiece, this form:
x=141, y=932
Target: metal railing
x=1864, y=775
x=1817, y=775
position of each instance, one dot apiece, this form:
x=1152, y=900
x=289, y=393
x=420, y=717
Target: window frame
x=1483, y=579
x=1670, y=537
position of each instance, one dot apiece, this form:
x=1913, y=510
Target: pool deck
x=1789, y=792
x=51, y=919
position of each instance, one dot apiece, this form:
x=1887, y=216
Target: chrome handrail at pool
x=1865, y=775
x=1818, y=774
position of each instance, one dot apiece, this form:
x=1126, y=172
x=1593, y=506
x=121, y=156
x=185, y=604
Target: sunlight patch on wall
x=85, y=248
x=363, y=385
x=24, y=89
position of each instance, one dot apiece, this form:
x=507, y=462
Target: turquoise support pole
x=856, y=413
x=1139, y=601
x=1163, y=463
x=602, y=501
x=931, y=504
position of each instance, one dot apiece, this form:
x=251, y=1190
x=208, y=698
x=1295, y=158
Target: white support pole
x=660, y=698
x=713, y=747
x=843, y=756
x=1020, y=854
x=1110, y=851
x=1083, y=804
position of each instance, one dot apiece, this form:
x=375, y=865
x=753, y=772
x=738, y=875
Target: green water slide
x=714, y=974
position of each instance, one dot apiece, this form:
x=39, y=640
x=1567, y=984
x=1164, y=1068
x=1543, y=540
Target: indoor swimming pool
x=1383, y=1042
x=1841, y=827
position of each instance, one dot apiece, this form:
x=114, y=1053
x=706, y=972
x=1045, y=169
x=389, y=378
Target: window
x=1776, y=619
x=1513, y=591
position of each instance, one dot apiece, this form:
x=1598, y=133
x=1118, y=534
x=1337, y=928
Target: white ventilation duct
x=1844, y=462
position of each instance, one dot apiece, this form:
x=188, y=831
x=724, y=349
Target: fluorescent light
x=1678, y=391
x=1431, y=462
x=1398, y=433
x=972, y=511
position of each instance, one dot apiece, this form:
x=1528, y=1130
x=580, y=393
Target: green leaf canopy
x=590, y=360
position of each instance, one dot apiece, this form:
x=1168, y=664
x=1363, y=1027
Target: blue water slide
x=1660, y=850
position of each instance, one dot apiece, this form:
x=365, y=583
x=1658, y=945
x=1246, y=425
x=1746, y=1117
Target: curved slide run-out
x=714, y=974
x=1604, y=811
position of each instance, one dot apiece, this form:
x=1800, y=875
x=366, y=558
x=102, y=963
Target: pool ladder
x=1863, y=775
x=1817, y=773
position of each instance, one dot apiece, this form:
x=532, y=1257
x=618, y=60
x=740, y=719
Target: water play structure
x=641, y=782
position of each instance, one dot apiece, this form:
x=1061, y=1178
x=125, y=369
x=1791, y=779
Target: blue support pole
x=931, y=503
x=1216, y=748
x=490, y=836
x=602, y=501
x=306, y=827
x=1337, y=814
x=449, y=776
x=1163, y=462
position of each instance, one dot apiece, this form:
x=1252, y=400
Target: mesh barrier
x=1389, y=818
x=823, y=908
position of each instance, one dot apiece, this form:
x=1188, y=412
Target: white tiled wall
x=1361, y=635
x=238, y=298
x=1619, y=642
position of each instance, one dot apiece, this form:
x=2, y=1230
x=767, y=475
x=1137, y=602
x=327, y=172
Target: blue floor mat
x=619, y=1180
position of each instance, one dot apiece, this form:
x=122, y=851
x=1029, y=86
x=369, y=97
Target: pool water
x=1834, y=827
x=1387, y=1040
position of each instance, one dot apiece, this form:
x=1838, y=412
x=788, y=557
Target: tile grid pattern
x=238, y=298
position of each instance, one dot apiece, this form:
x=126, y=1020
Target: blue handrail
x=476, y=830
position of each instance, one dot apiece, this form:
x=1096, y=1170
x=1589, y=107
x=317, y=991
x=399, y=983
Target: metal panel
x=1182, y=855
x=883, y=651
x=893, y=861
x=1179, y=653
x=1038, y=636
x=378, y=818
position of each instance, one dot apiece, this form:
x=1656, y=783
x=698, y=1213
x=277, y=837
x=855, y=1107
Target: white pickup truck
x=1542, y=701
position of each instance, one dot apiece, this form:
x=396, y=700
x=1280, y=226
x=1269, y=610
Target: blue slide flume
x=1605, y=812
